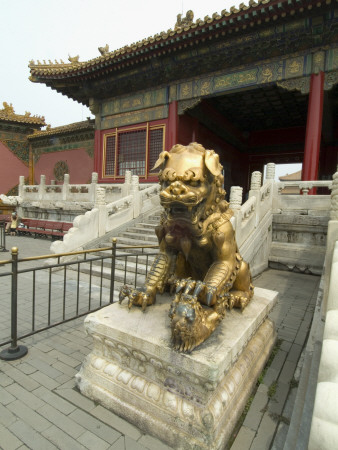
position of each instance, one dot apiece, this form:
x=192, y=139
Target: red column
x=98, y=153
x=173, y=124
x=31, y=165
x=194, y=134
x=313, y=129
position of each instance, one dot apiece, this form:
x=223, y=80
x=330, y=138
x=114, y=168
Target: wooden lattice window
x=131, y=152
x=155, y=145
x=136, y=150
x=110, y=155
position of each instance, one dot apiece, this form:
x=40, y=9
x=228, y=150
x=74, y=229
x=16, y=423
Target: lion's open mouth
x=181, y=212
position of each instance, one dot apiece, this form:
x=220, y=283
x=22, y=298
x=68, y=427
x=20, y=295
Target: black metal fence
x=62, y=287
x=3, y=236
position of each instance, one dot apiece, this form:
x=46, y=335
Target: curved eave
x=240, y=20
x=23, y=120
x=63, y=130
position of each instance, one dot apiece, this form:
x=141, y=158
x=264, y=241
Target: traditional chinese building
x=60, y=150
x=258, y=84
x=27, y=150
x=14, y=147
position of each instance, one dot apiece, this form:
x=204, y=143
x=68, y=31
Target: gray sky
x=53, y=29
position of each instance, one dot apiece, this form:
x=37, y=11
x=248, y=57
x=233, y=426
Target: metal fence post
x=112, y=273
x=15, y=351
x=3, y=237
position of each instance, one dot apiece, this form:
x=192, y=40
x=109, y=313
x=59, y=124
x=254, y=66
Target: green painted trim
x=269, y=71
x=135, y=102
x=133, y=117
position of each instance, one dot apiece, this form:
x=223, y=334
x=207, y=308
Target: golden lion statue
x=198, y=258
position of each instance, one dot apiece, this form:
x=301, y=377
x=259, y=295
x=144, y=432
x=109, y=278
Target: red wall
x=80, y=166
x=11, y=167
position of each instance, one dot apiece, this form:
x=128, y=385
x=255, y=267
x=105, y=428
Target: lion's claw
x=240, y=299
x=199, y=287
x=183, y=285
x=136, y=297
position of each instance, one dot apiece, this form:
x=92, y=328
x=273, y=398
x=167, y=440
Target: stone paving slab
x=297, y=294
x=41, y=408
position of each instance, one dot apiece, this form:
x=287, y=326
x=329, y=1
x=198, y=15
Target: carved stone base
x=189, y=401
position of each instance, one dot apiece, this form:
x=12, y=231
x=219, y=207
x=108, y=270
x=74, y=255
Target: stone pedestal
x=189, y=401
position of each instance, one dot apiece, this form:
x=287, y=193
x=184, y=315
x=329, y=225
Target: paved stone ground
x=40, y=407
x=267, y=421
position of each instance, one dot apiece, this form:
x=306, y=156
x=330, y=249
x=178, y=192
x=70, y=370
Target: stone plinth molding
x=189, y=401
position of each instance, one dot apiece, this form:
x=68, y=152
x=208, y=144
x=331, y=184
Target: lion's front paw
x=204, y=292
x=137, y=297
x=185, y=285
x=191, y=324
x=240, y=299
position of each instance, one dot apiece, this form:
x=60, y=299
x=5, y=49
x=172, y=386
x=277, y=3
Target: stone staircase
x=129, y=269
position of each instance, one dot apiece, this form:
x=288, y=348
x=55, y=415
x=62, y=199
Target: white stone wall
x=324, y=427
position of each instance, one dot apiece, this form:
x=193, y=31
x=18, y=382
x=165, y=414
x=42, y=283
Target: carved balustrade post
x=94, y=181
x=65, y=186
x=270, y=175
x=21, y=191
x=95, y=177
x=270, y=171
x=100, y=204
x=256, y=183
x=42, y=187
x=100, y=196
x=52, y=182
x=127, y=184
x=135, y=191
x=134, y=183
x=236, y=194
x=334, y=198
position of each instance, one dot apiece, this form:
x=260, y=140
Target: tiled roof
x=77, y=126
x=237, y=19
x=8, y=114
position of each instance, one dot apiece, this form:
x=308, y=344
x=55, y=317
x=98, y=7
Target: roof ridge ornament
x=186, y=21
x=74, y=59
x=8, y=113
x=104, y=50
x=8, y=109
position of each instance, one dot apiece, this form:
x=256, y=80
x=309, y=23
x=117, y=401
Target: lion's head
x=191, y=183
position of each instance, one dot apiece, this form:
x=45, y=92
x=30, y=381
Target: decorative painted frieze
x=129, y=118
x=135, y=102
x=184, y=105
x=296, y=84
